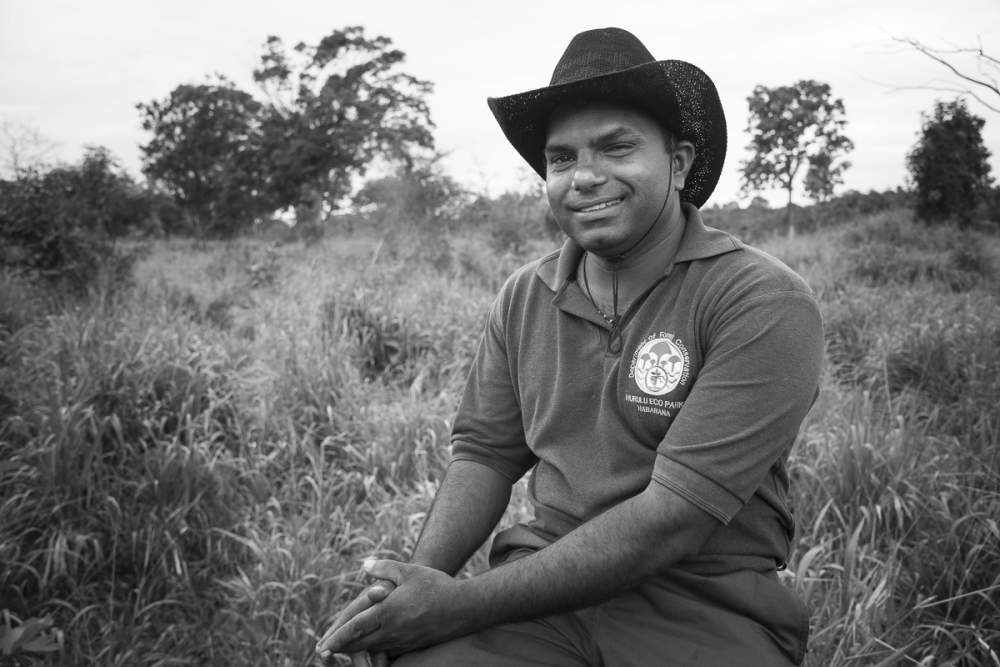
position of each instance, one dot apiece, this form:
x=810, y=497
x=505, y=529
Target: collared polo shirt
x=701, y=388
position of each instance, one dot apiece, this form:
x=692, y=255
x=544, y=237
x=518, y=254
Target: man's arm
x=603, y=557
x=466, y=508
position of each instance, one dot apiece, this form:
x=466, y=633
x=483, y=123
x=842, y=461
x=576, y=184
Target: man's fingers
x=380, y=659
x=346, y=637
x=371, y=595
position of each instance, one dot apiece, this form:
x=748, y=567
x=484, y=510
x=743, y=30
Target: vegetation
x=328, y=112
x=950, y=165
x=201, y=440
x=801, y=125
x=194, y=467
x=60, y=225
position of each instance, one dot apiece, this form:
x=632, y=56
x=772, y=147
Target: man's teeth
x=598, y=207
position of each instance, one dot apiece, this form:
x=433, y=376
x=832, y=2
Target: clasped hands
x=408, y=607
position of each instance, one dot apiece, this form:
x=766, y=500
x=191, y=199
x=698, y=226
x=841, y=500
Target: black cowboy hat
x=611, y=64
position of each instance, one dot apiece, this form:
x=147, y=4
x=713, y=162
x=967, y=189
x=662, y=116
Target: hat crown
x=598, y=52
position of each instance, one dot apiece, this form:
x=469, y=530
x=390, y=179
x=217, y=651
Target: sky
x=74, y=71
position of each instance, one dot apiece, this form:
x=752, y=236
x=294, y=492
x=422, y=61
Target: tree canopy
x=60, y=224
x=206, y=151
x=949, y=163
x=791, y=127
x=325, y=114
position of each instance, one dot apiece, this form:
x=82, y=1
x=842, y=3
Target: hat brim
x=674, y=92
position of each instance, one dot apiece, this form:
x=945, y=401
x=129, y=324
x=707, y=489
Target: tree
x=949, y=164
x=206, y=151
x=22, y=147
x=60, y=224
x=983, y=85
x=334, y=108
x=790, y=127
x=330, y=111
x=418, y=192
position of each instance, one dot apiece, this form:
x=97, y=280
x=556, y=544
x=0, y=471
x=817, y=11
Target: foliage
x=418, y=192
x=791, y=127
x=22, y=147
x=182, y=493
x=333, y=108
x=330, y=111
x=34, y=635
x=757, y=222
x=949, y=164
x=61, y=224
x=206, y=152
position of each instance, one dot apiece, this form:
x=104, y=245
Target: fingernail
x=368, y=564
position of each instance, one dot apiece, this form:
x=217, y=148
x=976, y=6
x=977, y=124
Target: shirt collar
x=698, y=242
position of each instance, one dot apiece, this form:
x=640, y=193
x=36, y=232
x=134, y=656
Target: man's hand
x=422, y=610
x=368, y=597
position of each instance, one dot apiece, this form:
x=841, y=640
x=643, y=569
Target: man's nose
x=587, y=175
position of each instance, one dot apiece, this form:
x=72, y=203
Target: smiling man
x=651, y=375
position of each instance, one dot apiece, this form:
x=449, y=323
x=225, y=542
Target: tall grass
x=191, y=469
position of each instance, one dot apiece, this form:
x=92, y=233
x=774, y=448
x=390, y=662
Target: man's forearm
x=604, y=557
x=467, y=507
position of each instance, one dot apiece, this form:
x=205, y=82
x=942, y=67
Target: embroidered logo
x=660, y=364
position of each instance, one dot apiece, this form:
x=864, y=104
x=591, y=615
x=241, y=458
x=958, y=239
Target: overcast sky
x=75, y=70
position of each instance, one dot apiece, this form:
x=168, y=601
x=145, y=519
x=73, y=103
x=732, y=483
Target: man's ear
x=681, y=161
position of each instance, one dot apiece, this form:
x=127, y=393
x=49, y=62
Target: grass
x=193, y=467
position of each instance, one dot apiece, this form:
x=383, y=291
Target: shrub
x=385, y=345
x=949, y=164
x=888, y=250
x=955, y=363
x=60, y=225
x=119, y=500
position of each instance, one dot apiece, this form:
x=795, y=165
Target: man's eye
x=619, y=149
x=560, y=159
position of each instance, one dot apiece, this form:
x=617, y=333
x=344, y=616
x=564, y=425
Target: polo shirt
x=702, y=388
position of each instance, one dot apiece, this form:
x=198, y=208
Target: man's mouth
x=599, y=206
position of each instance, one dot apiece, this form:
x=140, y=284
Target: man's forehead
x=599, y=118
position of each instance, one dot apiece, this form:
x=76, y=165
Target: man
x=652, y=374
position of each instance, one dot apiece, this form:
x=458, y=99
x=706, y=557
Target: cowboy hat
x=611, y=64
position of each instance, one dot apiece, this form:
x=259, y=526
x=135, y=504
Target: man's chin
x=609, y=251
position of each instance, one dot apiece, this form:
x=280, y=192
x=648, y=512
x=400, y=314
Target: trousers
x=667, y=624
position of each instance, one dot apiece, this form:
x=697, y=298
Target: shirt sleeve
x=488, y=427
x=759, y=377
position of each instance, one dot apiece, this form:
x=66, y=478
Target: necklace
x=612, y=321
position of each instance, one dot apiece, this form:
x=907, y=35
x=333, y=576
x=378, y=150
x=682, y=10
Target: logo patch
x=660, y=364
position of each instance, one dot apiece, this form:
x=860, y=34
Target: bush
x=949, y=164
x=122, y=507
x=60, y=225
x=890, y=250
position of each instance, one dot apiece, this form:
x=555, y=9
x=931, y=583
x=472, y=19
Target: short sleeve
x=488, y=427
x=759, y=377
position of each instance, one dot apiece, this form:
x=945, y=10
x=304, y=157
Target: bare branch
x=984, y=80
x=984, y=56
x=22, y=147
x=947, y=89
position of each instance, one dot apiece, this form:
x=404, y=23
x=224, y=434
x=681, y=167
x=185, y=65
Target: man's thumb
x=390, y=570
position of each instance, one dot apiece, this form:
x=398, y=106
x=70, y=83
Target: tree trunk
x=788, y=215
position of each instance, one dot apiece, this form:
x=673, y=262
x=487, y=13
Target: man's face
x=608, y=176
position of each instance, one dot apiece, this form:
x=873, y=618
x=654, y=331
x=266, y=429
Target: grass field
x=192, y=467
